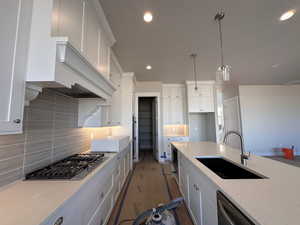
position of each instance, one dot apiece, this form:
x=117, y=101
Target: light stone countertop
x=272, y=201
x=32, y=202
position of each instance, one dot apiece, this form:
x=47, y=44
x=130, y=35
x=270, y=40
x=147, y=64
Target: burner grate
x=68, y=168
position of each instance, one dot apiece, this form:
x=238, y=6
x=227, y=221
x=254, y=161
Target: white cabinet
x=15, y=27
x=174, y=104
x=199, y=193
x=116, y=79
x=200, y=100
x=104, y=56
x=91, y=46
x=68, y=19
x=79, y=20
x=183, y=178
x=93, y=203
x=195, y=199
x=66, y=39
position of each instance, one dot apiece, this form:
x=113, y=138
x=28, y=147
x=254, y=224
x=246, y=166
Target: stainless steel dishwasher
x=229, y=214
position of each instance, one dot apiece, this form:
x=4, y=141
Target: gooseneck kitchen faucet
x=244, y=157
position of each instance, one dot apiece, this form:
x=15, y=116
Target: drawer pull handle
x=102, y=195
x=17, y=121
x=59, y=221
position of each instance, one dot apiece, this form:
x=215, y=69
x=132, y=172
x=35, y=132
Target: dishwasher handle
x=229, y=214
x=225, y=214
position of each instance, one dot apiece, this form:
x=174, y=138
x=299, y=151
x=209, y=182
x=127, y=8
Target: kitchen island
x=270, y=201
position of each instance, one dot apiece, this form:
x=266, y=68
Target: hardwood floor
x=147, y=188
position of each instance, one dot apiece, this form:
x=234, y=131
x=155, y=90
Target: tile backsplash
x=50, y=133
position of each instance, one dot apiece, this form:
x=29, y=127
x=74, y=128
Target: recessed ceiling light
x=148, y=17
x=287, y=15
x=148, y=67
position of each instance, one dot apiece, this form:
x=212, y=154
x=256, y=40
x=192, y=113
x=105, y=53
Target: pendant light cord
x=195, y=69
x=219, y=18
x=221, y=43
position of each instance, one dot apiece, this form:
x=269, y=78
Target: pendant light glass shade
x=223, y=72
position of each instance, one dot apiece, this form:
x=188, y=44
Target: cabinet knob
x=59, y=221
x=101, y=195
x=17, y=121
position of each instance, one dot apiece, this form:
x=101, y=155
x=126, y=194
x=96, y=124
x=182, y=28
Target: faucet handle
x=247, y=155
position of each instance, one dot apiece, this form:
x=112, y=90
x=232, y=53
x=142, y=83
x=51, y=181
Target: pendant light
x=223, y=72
x=194, y=56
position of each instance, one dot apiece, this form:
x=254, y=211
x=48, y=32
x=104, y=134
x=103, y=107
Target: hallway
x=148, y=187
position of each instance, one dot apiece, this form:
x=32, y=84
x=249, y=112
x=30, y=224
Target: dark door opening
x=147, y=125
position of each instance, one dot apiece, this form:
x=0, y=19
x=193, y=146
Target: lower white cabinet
x=102, y=213
x=195, y=199
x=199, y=193
x=93, y=203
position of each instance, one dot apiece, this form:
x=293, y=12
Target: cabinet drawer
x=70, y=213
x=102, y=213
x=94, y=193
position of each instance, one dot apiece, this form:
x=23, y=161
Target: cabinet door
x=167, y=110
x=200, y=100
x=70, y=19
x=91, y=34
x=15, y=26
x=184, y=183
x=70, y=214
x=102, y=214
x=195, y=201
x=116, y=100
x=177, y=110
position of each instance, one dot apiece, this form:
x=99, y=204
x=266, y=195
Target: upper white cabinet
x=200, y=100
x=68, y=20
x=15, y=27
x=116, y=100
x=174, y=104
x=70, y=44
x=91, y=36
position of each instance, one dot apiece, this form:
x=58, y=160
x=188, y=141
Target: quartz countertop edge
x=33, y=202
x=271, y=201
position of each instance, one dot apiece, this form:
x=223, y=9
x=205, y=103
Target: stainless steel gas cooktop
x=73, y=167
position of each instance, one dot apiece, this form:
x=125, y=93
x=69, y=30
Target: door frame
x=155, y=95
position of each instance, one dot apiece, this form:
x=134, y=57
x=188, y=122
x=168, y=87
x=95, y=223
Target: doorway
x=147, y=127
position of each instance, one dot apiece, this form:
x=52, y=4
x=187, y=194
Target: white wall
x=270, y=117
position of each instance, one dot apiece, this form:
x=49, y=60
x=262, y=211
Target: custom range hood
x=59, y=59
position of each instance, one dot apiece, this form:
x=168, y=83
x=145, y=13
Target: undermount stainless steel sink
x=227, y=169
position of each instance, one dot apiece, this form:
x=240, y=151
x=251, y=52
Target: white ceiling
x=260, y=48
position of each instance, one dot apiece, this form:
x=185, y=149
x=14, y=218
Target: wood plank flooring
x=147, y=188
